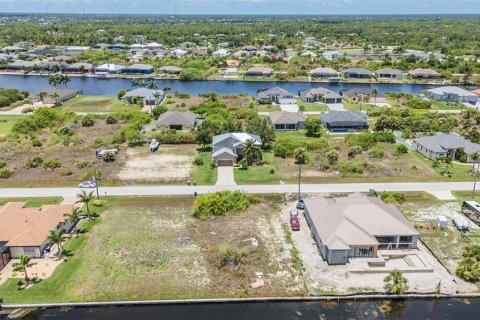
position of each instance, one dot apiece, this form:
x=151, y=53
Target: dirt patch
x=168, y=164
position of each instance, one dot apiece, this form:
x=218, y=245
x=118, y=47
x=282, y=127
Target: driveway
x=336, y=107
x=225, y=176
x=289, y=107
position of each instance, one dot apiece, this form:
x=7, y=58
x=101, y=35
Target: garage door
x=225, y=163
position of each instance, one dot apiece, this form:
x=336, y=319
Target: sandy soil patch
x=168, y=164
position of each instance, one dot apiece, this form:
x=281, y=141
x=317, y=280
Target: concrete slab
x=442, y=195
x=336, y=107
x=225, y=176
x=289, y=107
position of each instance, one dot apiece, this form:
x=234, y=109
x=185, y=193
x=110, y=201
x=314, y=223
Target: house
x=357, y=227
x=308, y=54
x=154, y=46
x=228, y=147
x=240, y=54
x=282, y=120
x=366, y=94
x=357, y=73
x=177, y=120
x=138, y=69
x=222, y=53
x=444, y=145
x=179, y=53
x=259, y=72
x=330, y=55
x=79, y=67
x=232, y=63
x=100, y=46
x=25, y=230
x=323, y=73
x=170, y=70
x=344, y=121
x=20, y=65
x=252, y=50
x=149, y=96
x=118, y=47
x=452, y=94
x=54, y=95
x=276, y=95
x=424, y=74
x=320, y=95
x=108, y=69
x=11, y=49
x=388, y=73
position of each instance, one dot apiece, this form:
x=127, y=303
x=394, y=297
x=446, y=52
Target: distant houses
x=367, y=95
x=443, y=145
x=424, y=74
x=108, y=69
x=323, y=73
x=149, y=96
x=138, y=69
x=276, y=95
x=54, y=95
x=452, y=94
x=344, y=121
x=176, y=120
x=259, y=72
x=170, y=70
x=357, y=73
x=282, y=120
x=320, y=95
x=79, y=67
x=228, y=148
x=389, y=74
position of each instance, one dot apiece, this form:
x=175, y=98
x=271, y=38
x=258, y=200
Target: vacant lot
x=6, y=124
x=94, y=104
x=152, y=248
x=184, y=104
x=169, y=164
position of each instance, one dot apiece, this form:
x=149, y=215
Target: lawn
x=267, y=108
x=312, y=106
x=203, y=174
x=259, y=174
x=152, y=248
x=33, y=202
x=94, y=104
x=360, y=107
x=6, y=124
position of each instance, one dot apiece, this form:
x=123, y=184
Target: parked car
x=87, y=184
x=154, y=144
x=301, y=204
x=295, y=223
x=294, y=213
x=101, y=151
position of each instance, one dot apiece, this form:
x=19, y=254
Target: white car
x=154, y=145
x=87, y=184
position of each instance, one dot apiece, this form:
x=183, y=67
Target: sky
x=243, y=6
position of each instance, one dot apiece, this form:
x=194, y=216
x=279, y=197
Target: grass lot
x=131, y=253
x=258, y=174
x=6, y=124
x=357, y=107
x=312, y=106
x=204, y=175
x=33, y=202
x=267, y=108
x=94, y=104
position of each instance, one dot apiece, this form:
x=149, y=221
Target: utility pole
x=299, y=179
x=96, y=181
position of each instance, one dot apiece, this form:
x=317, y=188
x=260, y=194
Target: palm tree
x=42, y=95
x=85, y=198
x=134, y=83
x=395, y=282
x=56, y=237
x=142, y=83
x=251, y=151
x=53, y=80
x=157, y=96
x=55, y=97
x=448, y=161
x=22, y=265
x=300, y=155
x=375, y=93
x=475, y=157
x=152, y=85
x=65, y=80
x=167, y=88
x=73, y=216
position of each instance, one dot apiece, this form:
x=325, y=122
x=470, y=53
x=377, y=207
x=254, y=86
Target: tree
x=475, y=157
x=395, y=282
x=157, y=95
x=53, y=80
x=332, y=157
x=301, y=158
x=375, y=94
x=73, y=217
x=203, y=134
x=64, y=79
x=55, y=96
x=152, y=85
x=158, y=111
x=56, y=238
x=42, y=95
x=84, y=197
x=262, y=128
x=252, y=151
x=22, y=265
x=313, y=126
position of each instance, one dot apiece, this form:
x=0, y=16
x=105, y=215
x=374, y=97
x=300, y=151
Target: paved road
x=431, y=187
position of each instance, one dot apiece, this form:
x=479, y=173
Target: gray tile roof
x=283, y=117
x=143, y=93
x=177, y=118
x=361, y=91
x=356, y=71
x=452, y=90
x=441, y=142
x=276, y=91
x=344, y=118
x=322, y=92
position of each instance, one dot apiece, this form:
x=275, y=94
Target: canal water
x=110, y=87
x=409, y=309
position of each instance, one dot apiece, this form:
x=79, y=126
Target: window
x=363, y=252
x=29, y=251
x=290, y=126
x=406, y=239
x=176, y=127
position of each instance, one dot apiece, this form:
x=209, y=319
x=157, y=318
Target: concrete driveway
x=289, y=107
x=225, y=176
x=336, y=107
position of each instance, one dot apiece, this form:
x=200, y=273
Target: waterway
x=109, y=87
x=409, y=309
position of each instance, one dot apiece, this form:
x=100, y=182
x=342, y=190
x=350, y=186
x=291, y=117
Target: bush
x=352, y=167
x=36, y=143
x=158, y=111
x=97, y=203
x=468, y=269
x=354, y=151
x=272, y=171
x=400, y=149
x=52, y=164
x=333, y=157
x=243, y=164
x=34, y=162
x=121, y=93
x=174, y=137
x=198, y=160
x=3, y=164
x=377, y=152
x=66, y=131
x=393, y=197
x=83, y=164
x=66, y=172
x=108, y=157
x=90, y=174
x=284, y=147
x=110, y=120
x=5, y=173
x=88, y=121
x=230, y=256
x=221, y=203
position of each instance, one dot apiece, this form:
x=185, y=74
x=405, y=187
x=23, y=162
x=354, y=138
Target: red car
x=295, y=223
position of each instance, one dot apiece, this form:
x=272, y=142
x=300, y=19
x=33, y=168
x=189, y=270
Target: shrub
x=34, y=162
x=121, y=93
x=230, y=256
x=83, y=164
x=110, y=120
x=90, y=174
x=66, y=172
x=3, y=164
x=52, y=164
x=97, y=203
x=243, y=164
x=354, y=151
x=332, y=157
x=472, y=251
x=272, y=171
x=158, y=111
x=198, y=160
x=174, y=137
x=66, y=131
x=400, y=149
x=393, y=197
x=313, y=126
x=5, y=173
x=221, y=203
x=468, y=269
x=352, y=167
x=88, y=121
x=36, y=143
x=108, y=157
x=377, y=151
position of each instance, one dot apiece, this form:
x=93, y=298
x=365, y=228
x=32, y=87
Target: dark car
x=301, y=204
x=295, y=223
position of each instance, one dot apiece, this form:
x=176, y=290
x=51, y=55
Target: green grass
x=33, y=202
x=94, y=104
x=267, y=108
x=312, y=106
x=204, y=175
x=6, y=124
x=436, y=105
x=258, y=174
x=357, y=107
x=467, y=195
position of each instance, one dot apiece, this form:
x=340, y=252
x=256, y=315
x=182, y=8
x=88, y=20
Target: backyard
x=94, y=104
x=6, y=124
x=152, y=248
